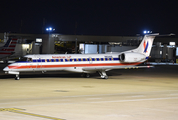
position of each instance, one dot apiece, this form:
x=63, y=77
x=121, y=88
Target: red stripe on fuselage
x=70, y=65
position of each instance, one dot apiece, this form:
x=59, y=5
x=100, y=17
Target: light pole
x=49, y=29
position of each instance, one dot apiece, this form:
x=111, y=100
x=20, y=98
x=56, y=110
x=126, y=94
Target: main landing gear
x=17, y=77
x=86, y=75
x=103, y=74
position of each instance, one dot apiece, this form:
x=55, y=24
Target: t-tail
x=141, y=53
x=146, y=44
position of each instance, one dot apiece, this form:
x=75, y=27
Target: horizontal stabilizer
x=157, y=34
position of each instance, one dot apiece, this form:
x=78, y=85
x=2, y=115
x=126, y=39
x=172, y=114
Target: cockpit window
x=25, y=59
x=29, y=59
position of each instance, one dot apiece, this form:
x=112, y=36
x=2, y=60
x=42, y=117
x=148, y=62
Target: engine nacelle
x=130, y=57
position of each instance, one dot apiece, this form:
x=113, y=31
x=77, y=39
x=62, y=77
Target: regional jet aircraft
x=8, y=49
x=84, y=63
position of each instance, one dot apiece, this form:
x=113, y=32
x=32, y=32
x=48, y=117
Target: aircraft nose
x=6, y=69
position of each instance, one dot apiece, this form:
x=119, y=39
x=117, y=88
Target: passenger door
x=39, y=62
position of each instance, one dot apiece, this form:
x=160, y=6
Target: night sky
x=89, y=17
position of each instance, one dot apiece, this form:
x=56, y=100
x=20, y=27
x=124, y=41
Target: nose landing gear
x=17, y=77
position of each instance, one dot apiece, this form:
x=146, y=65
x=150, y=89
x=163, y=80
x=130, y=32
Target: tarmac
x=132, y=94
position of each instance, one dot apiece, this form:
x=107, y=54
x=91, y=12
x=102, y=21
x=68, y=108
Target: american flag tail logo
x=145, y=46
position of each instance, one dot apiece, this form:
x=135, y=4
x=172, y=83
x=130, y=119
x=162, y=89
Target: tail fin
x=146, y=44
x=9, y=47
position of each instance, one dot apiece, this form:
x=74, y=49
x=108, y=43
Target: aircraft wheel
x=87, y=75
x=105, y=77
x=17, y=77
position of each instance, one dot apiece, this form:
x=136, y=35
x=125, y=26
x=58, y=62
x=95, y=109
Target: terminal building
x=164, y=49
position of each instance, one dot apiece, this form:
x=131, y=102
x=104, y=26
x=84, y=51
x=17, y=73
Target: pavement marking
x=76, y=96
x=10, y=109
x=16, y=110
x=136, y=100
x=93, y=98
x=174, y=94
x=138, y=96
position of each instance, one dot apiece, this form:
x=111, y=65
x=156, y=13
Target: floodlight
x=50, y=29
x=147, y=32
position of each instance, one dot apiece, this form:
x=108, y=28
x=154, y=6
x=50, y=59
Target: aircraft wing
x=154, y=63
x=107, y=68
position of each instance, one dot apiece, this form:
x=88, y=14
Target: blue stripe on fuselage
x=70, y=60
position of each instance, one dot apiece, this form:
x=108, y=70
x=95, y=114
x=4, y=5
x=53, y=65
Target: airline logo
x=145, y=45
x=9, y=47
